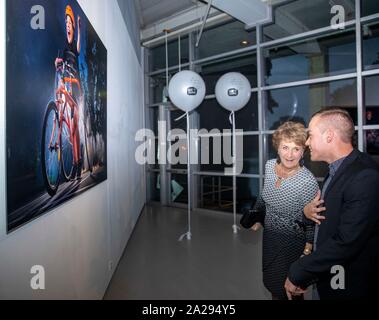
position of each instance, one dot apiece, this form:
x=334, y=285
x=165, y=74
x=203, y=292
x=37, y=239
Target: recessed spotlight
x=244, y=43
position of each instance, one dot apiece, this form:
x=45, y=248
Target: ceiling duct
x=250, y=12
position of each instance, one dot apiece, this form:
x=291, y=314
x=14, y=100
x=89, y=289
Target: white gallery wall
x=80, y=243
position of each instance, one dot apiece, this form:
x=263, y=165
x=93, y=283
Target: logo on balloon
x=192, y=91
x=186, y=90
x=232, y=92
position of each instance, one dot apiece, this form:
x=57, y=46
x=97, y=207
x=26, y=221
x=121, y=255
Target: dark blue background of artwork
x=30, y=77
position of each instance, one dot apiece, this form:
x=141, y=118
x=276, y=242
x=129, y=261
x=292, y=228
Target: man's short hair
x=339, y=119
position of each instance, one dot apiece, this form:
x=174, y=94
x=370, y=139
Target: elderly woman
x=288, y=187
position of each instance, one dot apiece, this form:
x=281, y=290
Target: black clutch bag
x=251, y=217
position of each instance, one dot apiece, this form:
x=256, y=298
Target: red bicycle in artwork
x=57, y=149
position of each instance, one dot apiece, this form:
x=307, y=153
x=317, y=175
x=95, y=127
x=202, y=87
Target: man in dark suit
x=344, y=262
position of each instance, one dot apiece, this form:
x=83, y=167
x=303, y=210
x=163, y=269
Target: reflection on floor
x=214, y=264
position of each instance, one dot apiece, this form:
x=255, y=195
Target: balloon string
x=189, y=173
x=180, y=54
x=233, y=122
x=231, y=117
x=166, y=60
x=181, y=117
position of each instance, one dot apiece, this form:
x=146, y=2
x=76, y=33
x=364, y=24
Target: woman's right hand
x=256, y=226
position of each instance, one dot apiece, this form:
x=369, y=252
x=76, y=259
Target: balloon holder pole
x=188, y=234
x=235, y=227
x=233, y=92
x=186, y=91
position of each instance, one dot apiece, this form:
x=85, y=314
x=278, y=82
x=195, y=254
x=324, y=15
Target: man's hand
x=312, y=209
x=292, y=290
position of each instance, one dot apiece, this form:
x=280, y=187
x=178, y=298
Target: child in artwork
x=71, y=53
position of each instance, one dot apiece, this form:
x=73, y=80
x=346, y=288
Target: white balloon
x=186, y=90
x=233, y=91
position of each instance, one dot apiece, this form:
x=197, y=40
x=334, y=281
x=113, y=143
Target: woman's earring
x=301, y=162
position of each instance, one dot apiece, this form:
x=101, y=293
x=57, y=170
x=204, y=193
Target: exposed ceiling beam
x=183, y=22
x=249, y=12
x=288, y=24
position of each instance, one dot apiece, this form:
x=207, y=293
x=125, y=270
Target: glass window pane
x=179, y=190
x=247, y=117
x=372, y=143
x=212, y=71
x=251, y=154
x=295, y=17
x=158, y=84
x=154, y=185
x=369, y=7
x=153, y=119
x=224, y=38
x=300, y=103
x=214, y=157
x=371, y=85
x=179, y=145
x=178, y=123
x=247, y=192
x=370, y=46
x=313, y=58
x=211, y=153
x=216, y=193
x=158, y=54
x=213, y=116
x=156, y=152
x=179, y=158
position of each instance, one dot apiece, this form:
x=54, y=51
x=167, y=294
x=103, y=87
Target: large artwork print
x=56, y=106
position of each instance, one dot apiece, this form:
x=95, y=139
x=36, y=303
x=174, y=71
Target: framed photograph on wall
x=56, y=107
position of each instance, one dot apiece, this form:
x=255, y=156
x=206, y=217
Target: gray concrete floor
x=215, y=264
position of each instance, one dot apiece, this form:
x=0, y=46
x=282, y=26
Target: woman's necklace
x=280, y=176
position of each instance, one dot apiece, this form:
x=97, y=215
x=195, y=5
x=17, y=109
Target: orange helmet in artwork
x=70, y=13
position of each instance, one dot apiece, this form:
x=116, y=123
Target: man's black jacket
x=349, y=236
